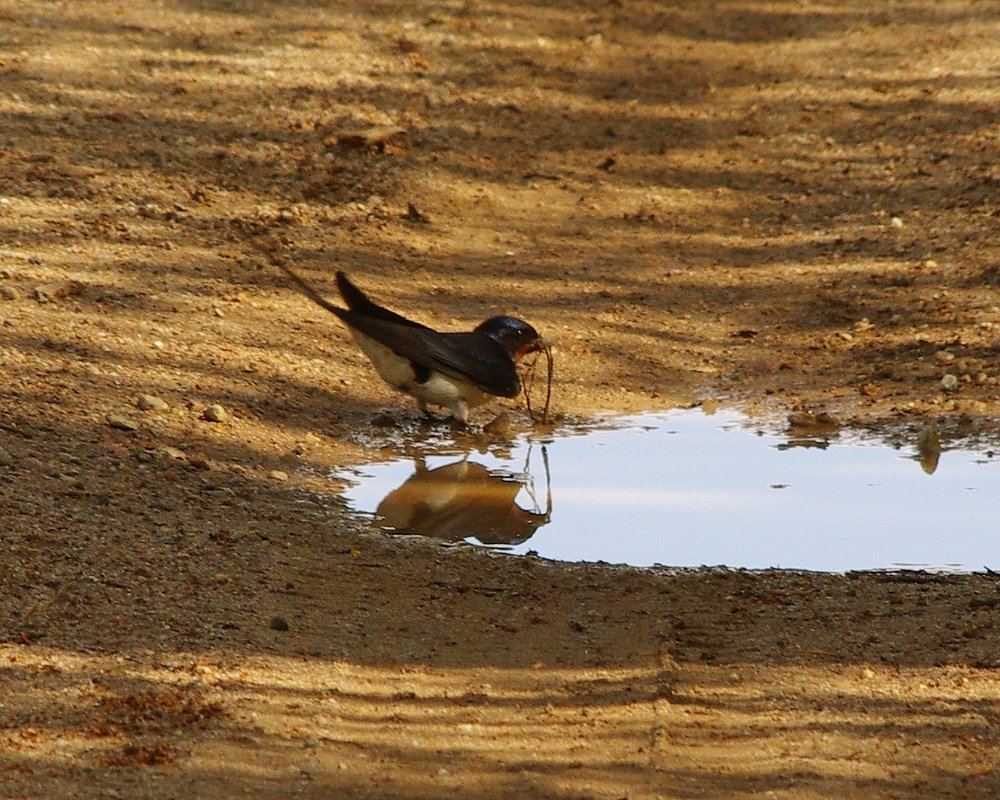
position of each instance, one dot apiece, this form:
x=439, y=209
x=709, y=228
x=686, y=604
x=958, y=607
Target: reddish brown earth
x=777, y=205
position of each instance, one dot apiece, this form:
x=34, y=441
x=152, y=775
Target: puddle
x=686, y=489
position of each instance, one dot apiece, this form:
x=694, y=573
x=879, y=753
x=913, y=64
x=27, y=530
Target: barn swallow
x=457, y=371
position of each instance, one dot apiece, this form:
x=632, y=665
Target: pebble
x=499, y=425
x=6, y=459
x=896, y=222
x=9, y=293
x=949, y=382
x=173, y=453
x=149, y=402
x=51, y=292
x=121, y=423
x=807, y=420
x=214, y=413
x=199, y=462
x=278, y=475
x=279, y=624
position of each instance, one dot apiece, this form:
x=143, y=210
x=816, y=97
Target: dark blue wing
x=468, y=357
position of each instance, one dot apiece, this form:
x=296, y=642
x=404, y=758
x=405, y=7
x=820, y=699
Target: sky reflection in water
x=686, y=489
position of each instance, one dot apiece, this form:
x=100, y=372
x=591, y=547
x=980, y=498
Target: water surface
x=688, y=489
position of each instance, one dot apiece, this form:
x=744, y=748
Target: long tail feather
x=312, y=294
x=358, y=302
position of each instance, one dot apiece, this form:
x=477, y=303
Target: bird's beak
x=536, y=346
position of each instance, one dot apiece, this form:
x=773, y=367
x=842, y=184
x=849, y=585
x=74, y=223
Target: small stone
x=931, y=263
x=149, y=402
x=278, y=475
x=810, y=421
x=6, y=459
x=172, y=453
x=949, y=383
x=51, y=292
x=279, y=624
x=499, y=425
x=868, y=673
x=121, y=423
x=944, y=357
x=199, y=462
x=214, y=413
x=9, y=293
x=217, y=312
x=896, y=222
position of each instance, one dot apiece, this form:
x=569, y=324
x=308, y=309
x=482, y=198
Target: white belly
x=441, y=390
x=438, y=390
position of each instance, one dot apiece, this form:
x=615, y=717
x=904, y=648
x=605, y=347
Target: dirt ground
x=776, y=205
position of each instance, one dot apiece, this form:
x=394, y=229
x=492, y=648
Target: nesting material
x=529, y=381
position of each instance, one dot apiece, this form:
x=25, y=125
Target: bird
x=457, y=371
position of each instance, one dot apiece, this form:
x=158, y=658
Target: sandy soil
x=778, y=205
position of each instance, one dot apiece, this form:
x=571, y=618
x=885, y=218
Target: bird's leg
x=460, y=412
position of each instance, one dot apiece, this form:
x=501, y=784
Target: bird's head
x=515, y=335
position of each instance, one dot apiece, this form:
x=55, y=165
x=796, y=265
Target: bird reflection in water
x=465, y=500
